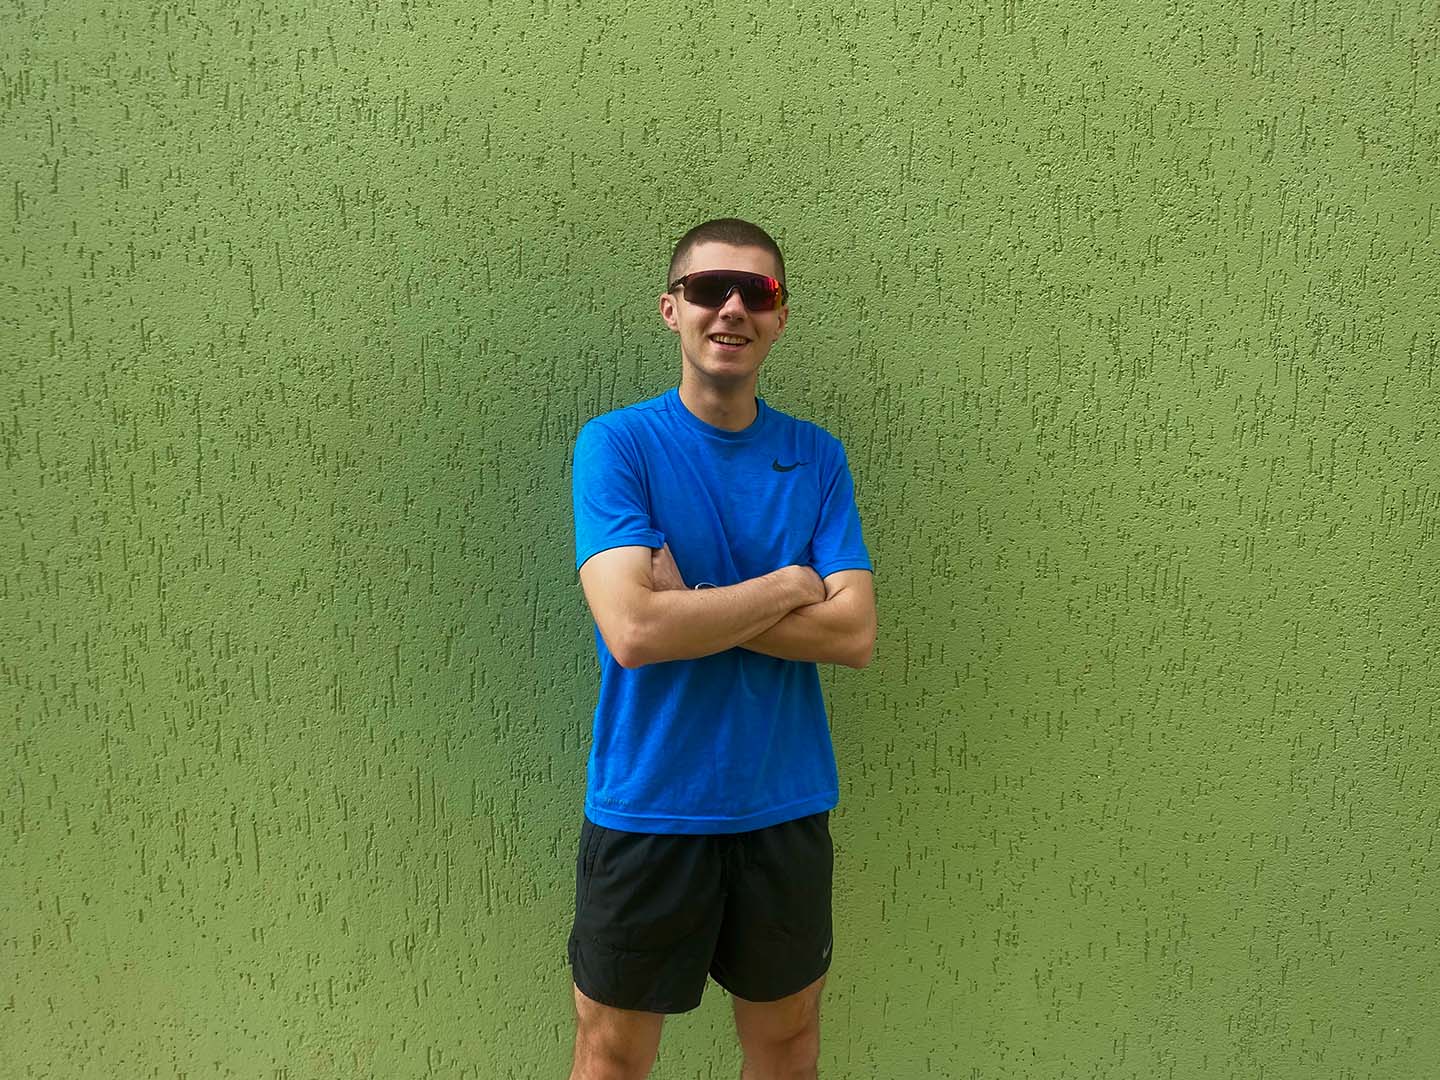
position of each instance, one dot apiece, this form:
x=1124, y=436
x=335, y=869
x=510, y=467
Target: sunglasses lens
x=757, y=292
x=707, y=290
x=761, y=294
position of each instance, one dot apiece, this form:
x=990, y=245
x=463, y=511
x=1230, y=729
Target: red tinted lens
x=709, y=288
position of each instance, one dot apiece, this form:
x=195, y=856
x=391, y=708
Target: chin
x=725, y=369
x=748, y=364
x=723, y=373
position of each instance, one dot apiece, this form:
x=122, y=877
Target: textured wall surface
x=1127, y=315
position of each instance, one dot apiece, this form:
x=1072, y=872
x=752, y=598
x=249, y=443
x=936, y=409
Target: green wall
x=1127, y=315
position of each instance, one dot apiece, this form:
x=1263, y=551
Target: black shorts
x=654, y=914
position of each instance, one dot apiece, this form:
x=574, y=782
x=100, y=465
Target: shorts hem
x=663, y=1009
x=646, y=1004
x=724, y=985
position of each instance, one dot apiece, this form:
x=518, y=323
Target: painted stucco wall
x=1127, y=315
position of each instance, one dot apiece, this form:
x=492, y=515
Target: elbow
x=629, y=647
x=625, y=654
x=626, y=659
x=861, y=650
x=635, y=637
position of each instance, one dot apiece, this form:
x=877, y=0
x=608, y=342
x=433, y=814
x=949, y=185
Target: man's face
x=724, y=345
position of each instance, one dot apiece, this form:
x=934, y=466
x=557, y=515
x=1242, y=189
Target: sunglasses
x=711, y=288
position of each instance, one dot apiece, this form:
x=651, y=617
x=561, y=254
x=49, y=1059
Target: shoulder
x=622, y=424
x=807, y=433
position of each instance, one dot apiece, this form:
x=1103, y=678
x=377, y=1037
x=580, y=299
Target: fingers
x=663, y=571
x=818, y=586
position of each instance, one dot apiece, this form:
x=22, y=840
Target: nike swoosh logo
x=775, y=464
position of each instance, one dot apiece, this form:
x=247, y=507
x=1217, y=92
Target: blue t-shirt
x=736, y=740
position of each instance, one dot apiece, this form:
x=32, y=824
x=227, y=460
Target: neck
x=728, y=407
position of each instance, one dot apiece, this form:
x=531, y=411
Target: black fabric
x=654, y=914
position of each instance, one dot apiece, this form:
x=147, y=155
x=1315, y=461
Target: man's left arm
x=841, y=628
x=838, y=630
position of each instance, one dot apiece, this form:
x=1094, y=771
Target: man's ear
x=667, y=311
x=784, y=317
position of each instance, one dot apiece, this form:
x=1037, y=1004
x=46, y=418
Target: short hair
x=731, y=231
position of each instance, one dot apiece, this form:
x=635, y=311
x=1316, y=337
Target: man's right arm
x=643, y=623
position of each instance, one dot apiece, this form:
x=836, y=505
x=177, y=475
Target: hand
x=811, y=584
x=664, y=574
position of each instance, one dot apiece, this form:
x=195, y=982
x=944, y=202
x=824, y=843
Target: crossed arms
x=647, y=615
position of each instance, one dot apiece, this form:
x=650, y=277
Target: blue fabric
x=737, y=740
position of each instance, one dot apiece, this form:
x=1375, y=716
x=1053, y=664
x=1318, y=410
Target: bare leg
x=613, y=1044
x=781, y=1039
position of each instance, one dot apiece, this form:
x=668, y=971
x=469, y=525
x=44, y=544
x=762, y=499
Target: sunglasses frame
x=738, y=279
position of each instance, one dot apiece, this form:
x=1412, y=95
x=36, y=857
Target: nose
x=734, y=307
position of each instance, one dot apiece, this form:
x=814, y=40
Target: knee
x=794, y=1057
x=602, y=1053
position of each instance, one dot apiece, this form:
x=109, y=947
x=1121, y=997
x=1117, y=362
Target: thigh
x=607, y=1036
x=768, y=1023
x=647, y=912
x=776, y=935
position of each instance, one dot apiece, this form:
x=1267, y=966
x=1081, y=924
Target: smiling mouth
x=730, y=341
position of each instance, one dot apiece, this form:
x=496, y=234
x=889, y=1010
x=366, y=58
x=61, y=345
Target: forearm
x=831, y=632
x=683, y=624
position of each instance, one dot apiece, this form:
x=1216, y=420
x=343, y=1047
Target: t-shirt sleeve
x=611, y=506
x=838, y=543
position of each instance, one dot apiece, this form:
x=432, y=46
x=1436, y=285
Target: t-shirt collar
x=750, y=431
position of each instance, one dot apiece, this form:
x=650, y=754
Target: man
x=721, y=556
